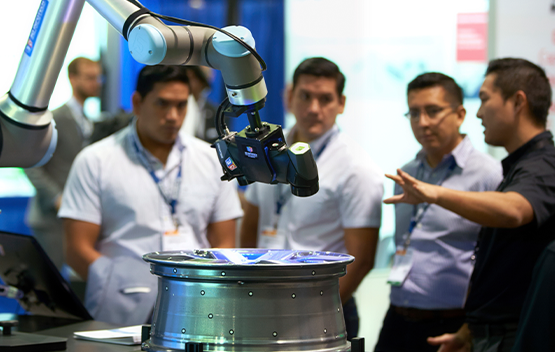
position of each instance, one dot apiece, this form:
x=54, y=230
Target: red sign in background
x=472, y=36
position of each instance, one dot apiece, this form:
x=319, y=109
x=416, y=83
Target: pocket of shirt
x=128, y=292
x=98, y=277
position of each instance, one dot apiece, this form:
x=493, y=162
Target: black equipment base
x=25, y=342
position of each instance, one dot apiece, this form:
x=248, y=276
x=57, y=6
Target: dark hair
x=320, y=67
x=512, y=75
x=435, y=79
x=150, y=75
x=75, y=64
x=199, y=74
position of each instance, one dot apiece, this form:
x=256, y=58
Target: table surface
x=84, y=345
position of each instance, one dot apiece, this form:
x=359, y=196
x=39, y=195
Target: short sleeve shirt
x=109, y=186
x=350, y=195
x=505, y=258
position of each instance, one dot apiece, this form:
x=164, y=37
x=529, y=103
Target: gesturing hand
x=414, y=191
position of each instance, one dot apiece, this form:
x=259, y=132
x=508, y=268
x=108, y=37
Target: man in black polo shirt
x=537, y=323
x=518, y=219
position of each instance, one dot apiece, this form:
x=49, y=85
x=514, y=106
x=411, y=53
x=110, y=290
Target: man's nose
x=314, y=106
x=423, y=119
x=173, y=113
x=480, y=114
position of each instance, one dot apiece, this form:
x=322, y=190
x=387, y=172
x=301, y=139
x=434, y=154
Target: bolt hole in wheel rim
x=248, y=300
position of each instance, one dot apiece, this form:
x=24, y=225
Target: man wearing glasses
x=432, y=264
x=518, y=219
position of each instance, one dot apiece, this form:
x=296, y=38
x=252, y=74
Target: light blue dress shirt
x=443, y=242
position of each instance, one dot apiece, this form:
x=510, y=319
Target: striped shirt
x=442, y=242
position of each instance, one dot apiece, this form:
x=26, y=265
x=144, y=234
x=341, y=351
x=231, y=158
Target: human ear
x=520, y=101
x=72, y=80
x=342, y=101
x=288, y=97
x=136, y=100
x=461, y=114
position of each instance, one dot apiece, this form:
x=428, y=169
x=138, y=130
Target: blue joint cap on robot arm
x=228, y=46
x=147, y=44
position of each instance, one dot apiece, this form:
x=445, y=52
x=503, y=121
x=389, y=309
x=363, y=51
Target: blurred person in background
x=345, y=215
x=199, y=80
x=74, y=131
x=144, y=189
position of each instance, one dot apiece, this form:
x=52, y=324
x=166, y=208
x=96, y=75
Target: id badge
x=181, y=238
x=402, y=263
x=272, y=238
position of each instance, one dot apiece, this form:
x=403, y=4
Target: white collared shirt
x=350, y=196
x=109, y=186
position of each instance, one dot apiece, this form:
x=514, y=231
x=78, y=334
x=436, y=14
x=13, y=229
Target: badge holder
x=402, y=264
x=271, y=237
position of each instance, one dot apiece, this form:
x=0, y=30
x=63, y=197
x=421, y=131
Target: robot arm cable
x=197, y=24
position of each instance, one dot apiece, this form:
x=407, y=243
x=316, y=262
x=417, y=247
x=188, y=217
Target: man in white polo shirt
x=147, y=188
x=345, y=215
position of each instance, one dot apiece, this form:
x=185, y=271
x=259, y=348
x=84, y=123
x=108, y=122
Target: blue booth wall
x=264, y=18
x=12, y=216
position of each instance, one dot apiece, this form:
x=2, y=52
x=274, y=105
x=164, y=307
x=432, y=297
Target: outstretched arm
x=492, y=209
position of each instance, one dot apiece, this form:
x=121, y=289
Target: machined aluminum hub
x=248, y=300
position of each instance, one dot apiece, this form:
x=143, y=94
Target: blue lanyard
x=171, y=201
x=283, y=197
x=417, y=215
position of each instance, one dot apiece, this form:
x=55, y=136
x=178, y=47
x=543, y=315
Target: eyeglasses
x=432, y=112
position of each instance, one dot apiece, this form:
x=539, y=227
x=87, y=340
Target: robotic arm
x=258, y=153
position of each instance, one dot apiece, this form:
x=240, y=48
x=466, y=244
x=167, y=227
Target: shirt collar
x=461, y=153
x=537, y=142
x=178, y=144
